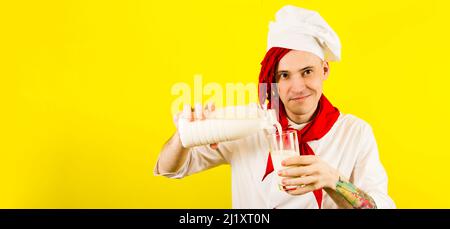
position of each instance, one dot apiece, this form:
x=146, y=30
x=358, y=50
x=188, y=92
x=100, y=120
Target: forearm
x=172, y=156
x=347, y=195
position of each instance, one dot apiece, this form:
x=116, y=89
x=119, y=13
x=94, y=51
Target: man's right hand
x=195, y=114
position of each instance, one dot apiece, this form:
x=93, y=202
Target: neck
x=302, y=118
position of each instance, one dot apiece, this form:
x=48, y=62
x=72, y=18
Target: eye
x=283, y=75
x=307, y=72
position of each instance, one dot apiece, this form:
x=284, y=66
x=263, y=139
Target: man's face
x=300, y=77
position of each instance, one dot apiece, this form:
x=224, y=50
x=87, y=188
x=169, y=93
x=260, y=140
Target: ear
x=326, y=70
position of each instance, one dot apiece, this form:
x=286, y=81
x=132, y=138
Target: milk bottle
x=227, y=124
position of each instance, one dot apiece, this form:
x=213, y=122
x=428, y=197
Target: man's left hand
x=307, y=173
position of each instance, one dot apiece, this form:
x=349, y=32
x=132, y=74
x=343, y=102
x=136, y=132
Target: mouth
x=299, y=98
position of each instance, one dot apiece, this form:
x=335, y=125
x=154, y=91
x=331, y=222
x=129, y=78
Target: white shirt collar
x=296, y=126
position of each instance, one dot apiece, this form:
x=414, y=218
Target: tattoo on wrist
x=354, y=196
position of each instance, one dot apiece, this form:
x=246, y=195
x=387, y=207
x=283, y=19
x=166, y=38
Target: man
x=339, y=166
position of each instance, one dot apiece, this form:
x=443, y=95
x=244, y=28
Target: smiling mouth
x=300, y=98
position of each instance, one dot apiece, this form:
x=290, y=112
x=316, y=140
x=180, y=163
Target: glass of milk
x=281, y=147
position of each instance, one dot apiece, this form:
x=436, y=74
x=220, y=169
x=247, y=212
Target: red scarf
x=325, y=115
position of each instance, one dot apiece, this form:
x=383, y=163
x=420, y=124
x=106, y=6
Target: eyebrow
x=303, y=69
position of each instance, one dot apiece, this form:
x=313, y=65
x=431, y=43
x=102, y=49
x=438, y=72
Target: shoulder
x=351, y=125
x=352, y=121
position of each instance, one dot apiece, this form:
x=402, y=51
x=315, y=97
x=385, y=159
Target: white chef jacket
x=349, y=146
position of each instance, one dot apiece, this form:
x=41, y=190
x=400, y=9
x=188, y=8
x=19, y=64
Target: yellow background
x=85, y=92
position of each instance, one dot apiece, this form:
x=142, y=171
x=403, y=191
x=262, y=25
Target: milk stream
x=280, y=133
x=227, y=124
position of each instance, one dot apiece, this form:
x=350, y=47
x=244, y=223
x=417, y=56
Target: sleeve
x=369, y=174
x=200, y=158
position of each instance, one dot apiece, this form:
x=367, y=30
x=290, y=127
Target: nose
x=298, y=83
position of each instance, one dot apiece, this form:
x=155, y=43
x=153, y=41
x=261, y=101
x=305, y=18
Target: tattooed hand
x=354, y=196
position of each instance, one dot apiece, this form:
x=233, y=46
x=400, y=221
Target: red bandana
x=325, y=115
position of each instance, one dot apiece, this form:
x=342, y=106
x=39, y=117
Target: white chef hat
x=304, y=30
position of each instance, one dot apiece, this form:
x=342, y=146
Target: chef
x=338, y=166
